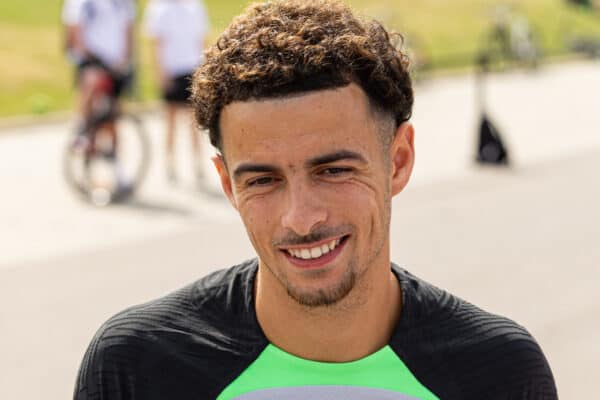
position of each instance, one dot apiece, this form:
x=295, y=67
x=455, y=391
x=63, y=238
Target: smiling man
x=309, y=108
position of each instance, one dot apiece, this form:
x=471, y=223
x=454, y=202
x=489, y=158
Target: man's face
x=313, y=183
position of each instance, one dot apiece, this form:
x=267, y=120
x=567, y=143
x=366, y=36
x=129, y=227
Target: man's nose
x=304, y=209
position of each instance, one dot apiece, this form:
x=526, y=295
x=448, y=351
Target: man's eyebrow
x=335, y=156
x=251, y=167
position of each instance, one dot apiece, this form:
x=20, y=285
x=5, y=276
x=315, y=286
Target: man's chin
x=314, y=298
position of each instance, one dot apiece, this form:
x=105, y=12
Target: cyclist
x=178, y=30
x=99, y=41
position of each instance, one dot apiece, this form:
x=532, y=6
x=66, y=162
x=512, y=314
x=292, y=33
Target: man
x=178, y=29
x=309, y=108
x=99, y=42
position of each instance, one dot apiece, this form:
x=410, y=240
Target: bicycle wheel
x=104, y=170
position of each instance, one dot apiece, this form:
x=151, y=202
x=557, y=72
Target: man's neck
x=353, y=328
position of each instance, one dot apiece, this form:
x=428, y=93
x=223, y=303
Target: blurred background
x=503, y=208
x=444, y=34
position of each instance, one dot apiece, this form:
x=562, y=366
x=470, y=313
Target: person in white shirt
x=178, y=29
x=99, y=42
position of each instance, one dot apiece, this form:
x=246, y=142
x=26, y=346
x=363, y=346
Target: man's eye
x=261, y=181
x=335, y=171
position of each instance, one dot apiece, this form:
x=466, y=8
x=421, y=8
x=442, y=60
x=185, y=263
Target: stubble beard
x=351, y=281
x=327, y=296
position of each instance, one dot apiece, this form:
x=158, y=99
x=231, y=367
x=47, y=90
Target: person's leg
x=111, y=130
x=89, y=80
x=106, y=145
x=183, y=90
x=170, y=115
x=196, y=143
x=117, y=84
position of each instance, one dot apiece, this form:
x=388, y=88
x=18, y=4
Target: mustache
x=318, y=234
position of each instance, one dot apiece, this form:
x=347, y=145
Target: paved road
x=521, y=241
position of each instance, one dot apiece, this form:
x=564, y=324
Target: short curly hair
x=284, y=47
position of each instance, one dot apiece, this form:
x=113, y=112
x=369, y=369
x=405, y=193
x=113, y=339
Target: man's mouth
x=315, y=251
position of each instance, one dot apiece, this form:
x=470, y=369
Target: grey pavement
x=521, y=241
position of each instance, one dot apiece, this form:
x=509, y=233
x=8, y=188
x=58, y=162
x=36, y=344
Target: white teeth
x=314, y=252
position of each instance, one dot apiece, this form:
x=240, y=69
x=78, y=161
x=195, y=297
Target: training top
x=181, y=27
x=104, y=25
x=204, y=342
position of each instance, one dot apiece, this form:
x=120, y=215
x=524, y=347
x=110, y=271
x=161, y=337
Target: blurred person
x=178, y=29
x=309, y=108
x=99, y=42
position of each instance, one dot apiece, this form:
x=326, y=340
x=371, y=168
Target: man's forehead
x=309, y=112
x=349, y=95
x=291, y=130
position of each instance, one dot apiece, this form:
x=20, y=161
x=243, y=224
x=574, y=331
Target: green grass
x=35, y=78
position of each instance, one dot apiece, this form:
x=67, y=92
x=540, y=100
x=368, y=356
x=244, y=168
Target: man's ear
x=219, y=164
x=402, y=157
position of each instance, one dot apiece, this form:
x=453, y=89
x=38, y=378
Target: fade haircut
x=286, y=47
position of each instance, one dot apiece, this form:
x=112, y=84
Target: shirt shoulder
x=72, y=11
x=461, y=351
x=201, y=16
x=188, y=344
x=155, y=14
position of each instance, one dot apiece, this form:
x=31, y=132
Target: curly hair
x=284, y=47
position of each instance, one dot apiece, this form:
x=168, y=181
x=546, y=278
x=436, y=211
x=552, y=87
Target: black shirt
x=204, y=342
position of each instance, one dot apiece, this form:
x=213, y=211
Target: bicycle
x=102, y=166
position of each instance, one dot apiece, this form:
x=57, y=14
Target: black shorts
x=119, y=81
x=179, y=90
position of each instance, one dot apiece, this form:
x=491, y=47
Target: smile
x=314, y=252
